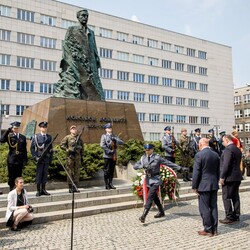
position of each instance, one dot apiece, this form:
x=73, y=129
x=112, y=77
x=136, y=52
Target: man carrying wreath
x=151, y=163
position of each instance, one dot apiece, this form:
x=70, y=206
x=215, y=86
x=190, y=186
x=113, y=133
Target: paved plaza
x=122, y=230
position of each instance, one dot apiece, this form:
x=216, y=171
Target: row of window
x=103, y=32
x=5, y=109
x=237, y=99
x=238, y=113
x=243, y=127
x=26, y=86
x=170, y=118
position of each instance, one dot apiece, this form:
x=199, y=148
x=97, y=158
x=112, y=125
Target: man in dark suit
x=230, y=179
x=205, y=183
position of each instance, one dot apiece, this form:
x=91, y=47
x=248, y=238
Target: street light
x=2, y=110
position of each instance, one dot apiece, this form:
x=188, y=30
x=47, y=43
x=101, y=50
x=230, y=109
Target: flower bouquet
x=169, y=187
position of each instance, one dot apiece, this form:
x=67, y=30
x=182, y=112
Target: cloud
x=135, y=19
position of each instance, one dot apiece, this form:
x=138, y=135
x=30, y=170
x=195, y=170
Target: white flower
x=139, y=174
x=136, y=183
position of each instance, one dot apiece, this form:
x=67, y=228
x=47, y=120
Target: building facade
x=172, y=79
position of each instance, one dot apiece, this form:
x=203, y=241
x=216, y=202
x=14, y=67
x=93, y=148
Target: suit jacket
x=206, y=171
x=230, y=164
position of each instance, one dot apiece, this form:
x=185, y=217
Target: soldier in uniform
x=151, y=162
x=73, y=145
x=109, y=142
x=213, y=143
x=17, y=156
x=220, y=142
x=169, y=143
x=195, y=140
x=185, y=157
x=39, y=143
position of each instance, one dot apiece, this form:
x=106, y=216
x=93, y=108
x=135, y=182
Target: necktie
x=148, y=158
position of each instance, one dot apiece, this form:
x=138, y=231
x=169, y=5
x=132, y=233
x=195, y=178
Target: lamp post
x=2, y=110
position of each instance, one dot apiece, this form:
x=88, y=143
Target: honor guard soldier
x=195, y=140
x=73, y=145
x=109, y=142
x=220, y=142
x=213, y=143
x=151, y=162
x=169, y=143
x=17, y=156
x=39, y=143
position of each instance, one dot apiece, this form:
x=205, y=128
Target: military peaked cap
x=108, y=125
x=15, y=124
x=167, y=128
x=43, y=125
x=148, y=146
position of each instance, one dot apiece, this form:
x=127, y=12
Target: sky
x=221, y=21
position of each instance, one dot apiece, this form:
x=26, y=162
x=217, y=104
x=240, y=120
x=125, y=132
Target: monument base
x=61, y=113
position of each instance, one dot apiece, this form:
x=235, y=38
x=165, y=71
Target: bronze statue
x=80, y=62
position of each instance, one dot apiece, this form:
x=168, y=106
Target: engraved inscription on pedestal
x=30, y=129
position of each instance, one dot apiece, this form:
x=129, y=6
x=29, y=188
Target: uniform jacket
x=68, y=144
x=152, y=167
x=213, y=143
x=195, y=143
x=17, y=147
x=230, y=164
x=206, y=171
x=38, y=144
x=167, y=145
x=12, y=201
x=109, y=146
x=184, y=141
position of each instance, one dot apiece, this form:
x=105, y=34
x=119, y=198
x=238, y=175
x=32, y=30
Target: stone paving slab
x=122, y=230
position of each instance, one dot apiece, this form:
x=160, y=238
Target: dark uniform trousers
x=152, y=196
x=42, y=172
x=14, y=170
x=109, y=168
x=170, y=158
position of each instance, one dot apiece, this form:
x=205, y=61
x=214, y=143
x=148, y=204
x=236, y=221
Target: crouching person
x=151, y=162
x=18, y=209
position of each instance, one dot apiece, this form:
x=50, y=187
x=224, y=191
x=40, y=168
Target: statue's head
x=82, y=16
x=82, y=12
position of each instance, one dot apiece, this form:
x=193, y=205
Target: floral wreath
x=169, y=187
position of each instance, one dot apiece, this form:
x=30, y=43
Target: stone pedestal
x=126, y=172
x=61, y=113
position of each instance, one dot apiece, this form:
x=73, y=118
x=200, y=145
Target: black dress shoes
x=227, y=221
x=44, y=192
x=159, y=215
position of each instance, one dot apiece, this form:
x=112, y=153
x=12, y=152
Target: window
x=25, y=38
x=167, y=82
x=47, y=42
x=20, y=109
x=122, y=36
x=105, y=33
x=192, y=85
x=152, y=43
x=122, y=56
x=107, y=53
x=5, y=84
x=138, y=78
x=25, y=62
x=168, y=118
x=47, y=65
x=238, y=113
x=179, y=66
x=191, y=52
x=239, y=127
x=191, y=69
x=139, y=97
x=5, y=109
x=141, y=117
x=180, y=101
x=178, y=49
x=181, y=119
x=246, y=98
x=247, y=127
x=121, y=75
x=67, y=23
x=4, y=10
x=203, y=87
x=106, y=73
x=4, y=59
x=108, y=94
x=168, y=99
x=4, y=35
x=46, y=88
x=154, y=80
x=152, y=61
x=166, y=46
x=123, y=95
x=204, y=103
x=237, y=100
x=204, y=120
x=166, y=64
x=25, y=86
x=179, y=84
x=154, y=117
x=192, y=102
x=202, y=54
x=246, y=112
x=193, y=119
x=138, y=40
x=48, y=20
x=202, y=71
x=154, y=136
x=247, y=140
x=138, y=59
x=25, y=15
x=154, y=98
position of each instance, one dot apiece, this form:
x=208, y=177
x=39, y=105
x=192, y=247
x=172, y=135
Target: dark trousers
x=231, y=199
x=209, y=210
x=109, y=168
x=152, y=196
x=170, y=158
x=14, y=171
x=42, y=172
